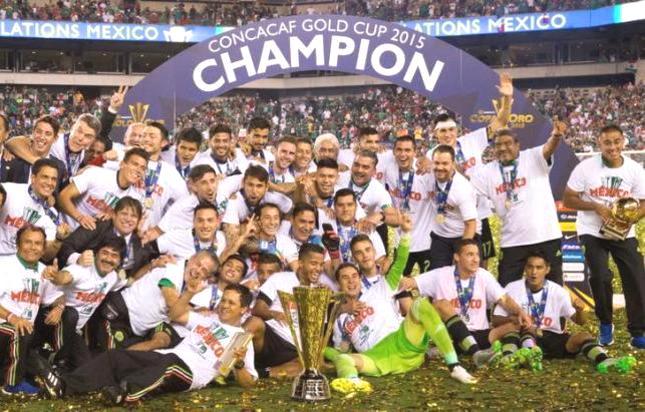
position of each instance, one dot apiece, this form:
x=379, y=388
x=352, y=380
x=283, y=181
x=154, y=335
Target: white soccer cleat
x=462, y=375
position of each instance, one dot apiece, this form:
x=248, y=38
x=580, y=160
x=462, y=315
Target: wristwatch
x=239, y=364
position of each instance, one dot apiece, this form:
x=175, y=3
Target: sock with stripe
x=594, y=352
x=510, y=343
x=461, y=335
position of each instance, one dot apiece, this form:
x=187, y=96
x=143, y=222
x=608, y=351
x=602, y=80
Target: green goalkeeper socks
x=425, y=313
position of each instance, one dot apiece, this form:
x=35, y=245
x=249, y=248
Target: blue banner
x=516, y=23
x=384, y=50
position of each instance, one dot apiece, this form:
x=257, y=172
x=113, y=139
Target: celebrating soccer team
x=130, y=268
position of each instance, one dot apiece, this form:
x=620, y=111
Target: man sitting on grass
x=547, y=302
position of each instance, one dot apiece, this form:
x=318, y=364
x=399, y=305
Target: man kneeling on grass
x=125, y=376
x=547, y=302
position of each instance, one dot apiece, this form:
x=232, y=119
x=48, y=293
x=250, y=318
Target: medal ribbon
x=442, y=196
x=212, y=248
x=269, y=246
x=405, y=188
x=509, y=184
x=71, y=165
x=218, y=162
x=345, y=239
x=537, y=310
x=464, y=295
x=358, y=191
x=214, y=294
x=151, y=180
x=55, y=217
x=459, y=154
x=183, y=171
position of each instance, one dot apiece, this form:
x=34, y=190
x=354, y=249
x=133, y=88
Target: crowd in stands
x=392, y=109
x=232, y=13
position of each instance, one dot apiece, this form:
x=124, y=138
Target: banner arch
x=384, y=50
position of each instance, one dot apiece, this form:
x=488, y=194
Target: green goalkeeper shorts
x=396, y=354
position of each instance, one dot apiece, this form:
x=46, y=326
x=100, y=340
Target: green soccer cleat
x=535, y=359
x=351, y=385
x=622, y=365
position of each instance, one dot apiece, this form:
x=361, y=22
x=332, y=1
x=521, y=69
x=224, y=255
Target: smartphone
x=327, y=227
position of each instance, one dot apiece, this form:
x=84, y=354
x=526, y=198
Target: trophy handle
x=286, y=300
x=333, y=314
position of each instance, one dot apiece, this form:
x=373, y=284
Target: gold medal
x=441, y=218
x=538, y=332
x=148, y=202
x=508, y=204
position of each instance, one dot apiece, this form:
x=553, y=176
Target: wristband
x=334, y=254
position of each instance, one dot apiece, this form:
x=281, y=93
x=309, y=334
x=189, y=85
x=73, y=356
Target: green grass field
x=563, y=385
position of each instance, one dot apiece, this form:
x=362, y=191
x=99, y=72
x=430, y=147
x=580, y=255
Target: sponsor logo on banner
x=573, y=257
x=574, y=276
x=573, y=267
x=568, y=226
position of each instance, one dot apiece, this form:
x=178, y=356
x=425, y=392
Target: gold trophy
x=624, y=212
x=306, y=311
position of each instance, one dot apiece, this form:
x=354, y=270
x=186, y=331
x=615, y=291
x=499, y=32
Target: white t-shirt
x=372, y=198
x=170, y=187
x=372, y=324
x=461, y=205
x=203, y=347
x=170, y=156
x=100, y=192
x=180, y=214
x=283, y=281
x=228, y=168
x=419, y=205
x=440, y=284
x=602, y=184
x=181, y=243
x=532, y=217
x=23, y=289
x=558, y=303
x=88, y=289
x=146, y=305
x=21, y=209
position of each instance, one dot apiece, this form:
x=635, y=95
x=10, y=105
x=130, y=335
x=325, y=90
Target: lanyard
x=272, y=176
x=442, y=196
x=537, y=310
x=258, y=153
x=509, y=183
x=183, y=171
x=151, y=180
x=198, y=248
x=464, y=295
x=358, y=191
x=459, y=154
x=42, y=203
x=248, y=205
x=405, y=188
x=214, y=296
x=345, y=240
x=70, y=164
x=219, y=169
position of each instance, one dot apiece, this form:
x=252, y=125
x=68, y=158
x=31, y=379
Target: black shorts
x=481, y=337
x=486, y=241
x=422, y=258
x=276, y=351
x=554, y=345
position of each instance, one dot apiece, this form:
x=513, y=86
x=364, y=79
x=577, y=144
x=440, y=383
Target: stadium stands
x=233, y=13
x=391, y=108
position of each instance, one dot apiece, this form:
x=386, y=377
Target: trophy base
x=311, y=386
x=615, y=230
